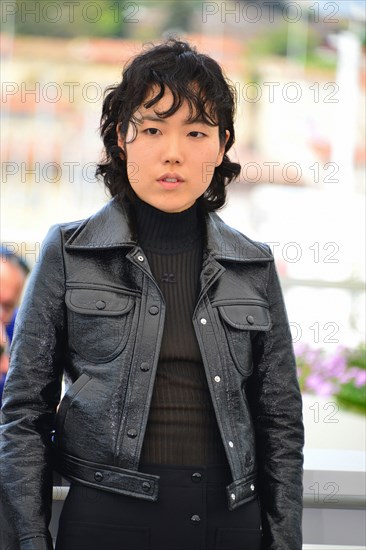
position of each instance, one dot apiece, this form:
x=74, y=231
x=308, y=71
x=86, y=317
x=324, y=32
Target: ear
x=120, y=140
x=220, y=156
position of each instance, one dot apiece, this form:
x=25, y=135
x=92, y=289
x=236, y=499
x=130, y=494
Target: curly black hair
x=190, y=76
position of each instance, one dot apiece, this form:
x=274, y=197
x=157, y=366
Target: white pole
x=343, y=142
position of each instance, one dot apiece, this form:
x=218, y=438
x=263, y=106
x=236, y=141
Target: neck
x=167, y=232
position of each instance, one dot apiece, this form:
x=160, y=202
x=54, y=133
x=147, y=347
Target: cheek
x=211, y=150
x=140, y=163
x=135, y=157
x=134, y=172
x=201, y=158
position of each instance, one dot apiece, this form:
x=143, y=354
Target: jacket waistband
x=182, y=475
x=139, y=484
x=108, y=478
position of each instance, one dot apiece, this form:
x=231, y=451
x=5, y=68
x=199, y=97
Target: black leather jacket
x=93, y=311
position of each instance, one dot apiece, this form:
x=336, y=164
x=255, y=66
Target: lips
x=170, y=180
x=171, y=177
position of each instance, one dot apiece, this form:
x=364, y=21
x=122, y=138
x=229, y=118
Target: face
x=171, y=161
x=11, y=285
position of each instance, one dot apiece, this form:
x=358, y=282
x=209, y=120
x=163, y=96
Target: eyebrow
x=155, y=118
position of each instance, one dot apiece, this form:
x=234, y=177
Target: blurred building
x=300, y=140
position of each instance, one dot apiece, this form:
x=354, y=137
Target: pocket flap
x=93, y=301
x=246, y=316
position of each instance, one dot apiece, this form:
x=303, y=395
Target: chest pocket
x=240, y=322
x=99, y=322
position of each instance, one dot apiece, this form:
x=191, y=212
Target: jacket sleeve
x=277, y=415
x=31, y=395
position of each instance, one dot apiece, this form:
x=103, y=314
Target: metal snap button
x=250, y=319
x=132, y=433
x=140, y=258
x=98, y=476
x=100, y=304
x=203, y=321
x=232, y=496
x=146, y=486
x=231, y=444
x=196, y=477
x=217, y=379
x=252, y=487
x=153, y=310
x=195, y=519
x=145, y=367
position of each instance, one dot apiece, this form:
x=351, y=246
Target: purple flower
x=345, y=377
x=324, y=374
x=360, y=378
x=319, y=386
x=336, y=365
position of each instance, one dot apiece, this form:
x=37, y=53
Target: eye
x=196, y=134
x=151, y=131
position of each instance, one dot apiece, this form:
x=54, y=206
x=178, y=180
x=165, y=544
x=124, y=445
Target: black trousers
x=191, y=513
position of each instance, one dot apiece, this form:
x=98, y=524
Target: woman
x=181, y=426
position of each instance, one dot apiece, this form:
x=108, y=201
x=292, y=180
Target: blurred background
x=300, y=75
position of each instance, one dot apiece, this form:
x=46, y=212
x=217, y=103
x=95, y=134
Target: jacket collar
x=109, y=228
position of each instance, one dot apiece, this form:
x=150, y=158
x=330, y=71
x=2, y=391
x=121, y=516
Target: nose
x=172, y=151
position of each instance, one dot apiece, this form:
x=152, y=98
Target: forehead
x=163, y=104
x=192, y=109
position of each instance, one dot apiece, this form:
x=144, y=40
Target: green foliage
x=180, y=14
x=341, y=374
x=275, y=42
x=298, y=40
x=96, y=18
x=100, y=18
x=352, y=398
x=317, y=61
x=357, y=357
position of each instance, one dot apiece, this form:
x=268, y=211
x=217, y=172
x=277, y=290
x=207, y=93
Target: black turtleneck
x=182, y=427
